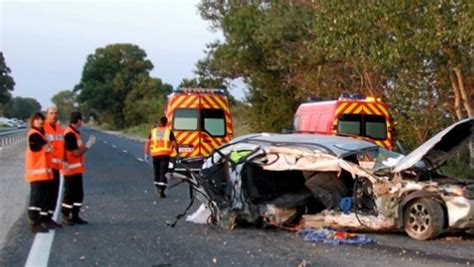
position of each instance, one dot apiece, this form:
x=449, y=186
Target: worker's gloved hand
x=65, y=166
x=146, y=158
x=48, y=148
x=91, y=141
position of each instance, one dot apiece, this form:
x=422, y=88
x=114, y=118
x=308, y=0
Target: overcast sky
x=45, y=43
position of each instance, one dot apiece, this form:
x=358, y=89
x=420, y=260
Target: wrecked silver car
x=299, y=180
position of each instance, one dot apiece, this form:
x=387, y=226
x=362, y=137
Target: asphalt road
x=128, y=228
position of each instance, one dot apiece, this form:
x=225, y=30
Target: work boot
x=37, y=228
x=162, y=194
x=78, y=220
x=67, y=221
x=51, y=224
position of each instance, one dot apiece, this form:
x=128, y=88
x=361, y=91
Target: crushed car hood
x=440, y=147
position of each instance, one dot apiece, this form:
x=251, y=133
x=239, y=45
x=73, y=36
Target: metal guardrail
x=11, y=136
x=7, y=129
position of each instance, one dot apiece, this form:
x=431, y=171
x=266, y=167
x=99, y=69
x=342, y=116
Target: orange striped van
x=366, y=117
x=200, y=119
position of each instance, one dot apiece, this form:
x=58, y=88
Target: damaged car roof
x=334, y=145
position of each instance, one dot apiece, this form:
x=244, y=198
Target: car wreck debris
x=299, y=180
x=334, y=237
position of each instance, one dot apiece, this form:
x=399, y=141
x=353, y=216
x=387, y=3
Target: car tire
x=423, y=218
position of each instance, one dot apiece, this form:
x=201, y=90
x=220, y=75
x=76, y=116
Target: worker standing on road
x=73, y=168
x=160, y=144
x=54, y=135
x=38, y=173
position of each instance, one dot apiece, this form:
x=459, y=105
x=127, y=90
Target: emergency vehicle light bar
x=359, y=97
x=200, y=90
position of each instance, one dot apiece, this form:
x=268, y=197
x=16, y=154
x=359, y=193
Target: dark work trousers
x=73, y=195
x=38, y=206
x=53, y=191
x=160, y=166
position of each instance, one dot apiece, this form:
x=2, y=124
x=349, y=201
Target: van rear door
x=216, y=127
x=186, y=131
x=371, y=126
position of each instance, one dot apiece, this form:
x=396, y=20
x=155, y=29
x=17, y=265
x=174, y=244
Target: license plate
x=185, y=149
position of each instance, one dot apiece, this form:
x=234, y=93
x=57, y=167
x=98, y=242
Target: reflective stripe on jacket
x=56, y=139
x=74, y=164
x=160, y=142
x=37, y=164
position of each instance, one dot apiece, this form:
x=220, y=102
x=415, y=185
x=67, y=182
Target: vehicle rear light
x=390, y=129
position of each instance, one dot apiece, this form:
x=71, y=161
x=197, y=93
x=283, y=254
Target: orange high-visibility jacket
x=56, y=140
x=160, y=142
x=74, y=164
x=37, y=164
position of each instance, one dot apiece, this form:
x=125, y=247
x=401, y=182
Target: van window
x=213, y=121
x=185, y=119
x=375, y=127
x=372, y=126
x=350, y=124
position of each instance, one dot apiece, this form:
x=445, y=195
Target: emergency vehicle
x=200, y=119
x=365, y=117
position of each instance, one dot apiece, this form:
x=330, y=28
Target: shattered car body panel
x=285, y=179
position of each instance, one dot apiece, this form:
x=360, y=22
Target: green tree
x=260, y=41
x=146, y=102
x=66, y=103
x=207, y=76
x=109, y=75
x=22, y=107
x=6, y=82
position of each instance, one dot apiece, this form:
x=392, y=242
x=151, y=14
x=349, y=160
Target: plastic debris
x=201, y=215
x=346, y=204
x=334, y=237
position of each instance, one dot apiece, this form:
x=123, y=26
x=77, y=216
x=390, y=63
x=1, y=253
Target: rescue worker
x=38, y=173
x=160, y=144
x=54, y=135
x=73, y=168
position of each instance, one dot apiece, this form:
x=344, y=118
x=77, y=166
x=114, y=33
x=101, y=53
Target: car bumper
x=460, y=212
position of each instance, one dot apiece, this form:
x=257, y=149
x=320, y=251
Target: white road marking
x=41, y=248
x=105, y=142
x=114, y=146
x=140, y=159
x=124, y=151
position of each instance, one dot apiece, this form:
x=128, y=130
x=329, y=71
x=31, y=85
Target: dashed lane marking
x=105, y=142
x=114, y=146
x=140, y=159
x=124, y=151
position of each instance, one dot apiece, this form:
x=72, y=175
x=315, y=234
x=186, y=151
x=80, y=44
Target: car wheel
x=423, y=219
